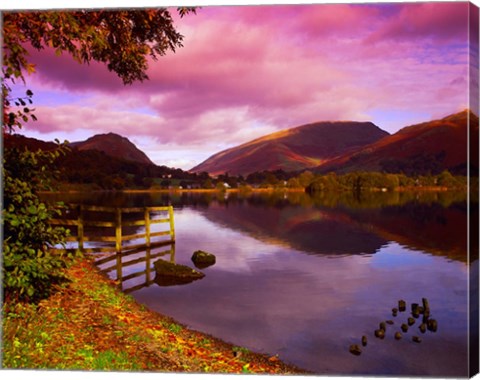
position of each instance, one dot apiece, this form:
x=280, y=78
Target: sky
x=247, y=71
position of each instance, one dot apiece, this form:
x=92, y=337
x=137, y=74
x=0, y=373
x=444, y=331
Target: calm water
x=305, y=278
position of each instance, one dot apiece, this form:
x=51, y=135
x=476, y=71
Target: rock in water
x=364, y=341
x=425, y=303
x=415, y=310
x=355, y=349
x=380, y=333
x=423, y=328
x=402, y=305
x=432, y=325
x=426, y=308
x=203, y=259
x=416, y=339
x=398, y=335
x=168, y=274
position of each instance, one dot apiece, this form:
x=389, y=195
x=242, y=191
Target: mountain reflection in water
x=328, y=230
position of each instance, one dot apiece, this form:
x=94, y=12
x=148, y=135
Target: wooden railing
x=91, y=228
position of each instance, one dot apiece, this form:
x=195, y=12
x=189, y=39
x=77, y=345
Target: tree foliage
x=124, y=41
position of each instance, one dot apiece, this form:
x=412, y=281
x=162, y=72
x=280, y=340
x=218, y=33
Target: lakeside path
x=89, y=324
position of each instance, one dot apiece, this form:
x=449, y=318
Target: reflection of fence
x=123, y=262
x=102, y=225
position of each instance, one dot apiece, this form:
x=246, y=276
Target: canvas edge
x=473, y=162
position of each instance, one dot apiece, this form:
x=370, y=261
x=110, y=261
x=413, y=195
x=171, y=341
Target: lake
x=304, y=278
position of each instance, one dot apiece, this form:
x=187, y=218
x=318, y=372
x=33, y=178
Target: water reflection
x=326, y=224
x=335, y=231
x=135, y=270
x=311, y=230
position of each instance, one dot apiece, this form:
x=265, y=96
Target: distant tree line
x=356, y=181
x=100, y=171
x=103, y=172
x=360, y=181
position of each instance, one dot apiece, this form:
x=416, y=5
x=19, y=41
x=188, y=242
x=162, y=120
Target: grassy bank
x=88, y=324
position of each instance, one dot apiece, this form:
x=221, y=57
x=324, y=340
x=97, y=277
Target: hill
x=115, y=146
x=118, y=166
x=293, y=149
x=20, y=141
x=429, y=147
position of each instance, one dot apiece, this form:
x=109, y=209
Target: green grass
x=91, y=325
x=173, y=327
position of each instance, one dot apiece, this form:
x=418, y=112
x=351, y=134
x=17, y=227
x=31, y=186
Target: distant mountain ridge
x=115, y=146
x=341, y=147
x=293, y=149
x=428, y=147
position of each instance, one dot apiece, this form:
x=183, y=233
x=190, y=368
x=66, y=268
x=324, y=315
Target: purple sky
x=246, y=71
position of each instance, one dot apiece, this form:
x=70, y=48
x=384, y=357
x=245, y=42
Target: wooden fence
x=93, y=224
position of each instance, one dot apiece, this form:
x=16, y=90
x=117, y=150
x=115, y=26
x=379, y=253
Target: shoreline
x=411, y=189
x=90, y=324
x=166, y=191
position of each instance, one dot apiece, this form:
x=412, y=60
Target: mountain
x=115, y=146
x=92, y=163
x=293, y=149
x=429, y=147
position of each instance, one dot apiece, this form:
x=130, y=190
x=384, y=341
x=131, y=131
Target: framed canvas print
x=281, y=189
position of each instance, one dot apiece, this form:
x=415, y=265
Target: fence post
x=118, y=245
x=147, y=266
x=172, y=253
x=80, y=228
x=147, y=226
x=118, y=230
x=172, y=225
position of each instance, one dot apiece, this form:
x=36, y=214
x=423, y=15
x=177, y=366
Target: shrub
x=29, y=265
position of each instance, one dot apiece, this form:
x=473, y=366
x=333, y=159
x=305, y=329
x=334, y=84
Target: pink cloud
x=248, y=71
x=65, y=73
x=443, y=22
x=337, y=20
x=97, y=119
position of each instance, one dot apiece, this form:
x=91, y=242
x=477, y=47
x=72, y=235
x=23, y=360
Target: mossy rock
x=203, y=259
x=169, y=274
